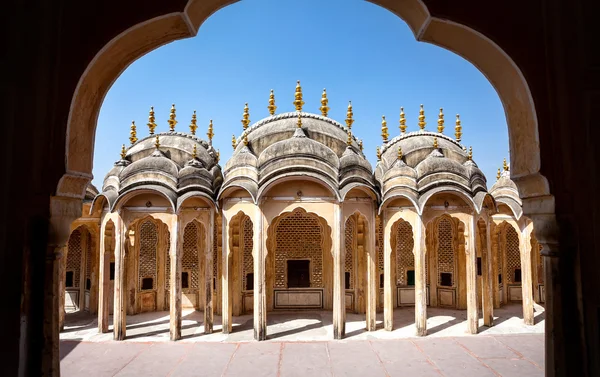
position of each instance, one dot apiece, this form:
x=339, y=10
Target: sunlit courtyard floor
x=301, y=326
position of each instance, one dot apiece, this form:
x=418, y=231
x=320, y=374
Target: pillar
x=526, y=280
x=488, y=276
x=226, y=270
x=208, y=275
x=372, y=280
x=420, y=278
x=471, y=261
x=388, y=277
x=175, y=252
x=339, y=292
x=120, y=301
x=103, y=283
x=260, y=286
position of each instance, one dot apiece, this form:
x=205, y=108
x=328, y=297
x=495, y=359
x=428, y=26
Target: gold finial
x=400, y=155
x=378, y=154
x=194, y=152
x=272, y=106
x=402, y=121
x=384, y=129
x=298, y=97
x=133, y=133
x=172, y=122
x=157, y=142
x=422, y=122
x=246, y=117
x=245, y=139
x=151, y=124
x=233, y=142
x=349, y=115
x=210, y=132
x=470, y=157
x=505, y=165
x=299, y=124
x=360, y=145
x=324, y=101
x=498, y=174
x=124, y=153
x=193, y=125
x=349, y=141
x=458, y=129
x=435, y=142
x=441, y=121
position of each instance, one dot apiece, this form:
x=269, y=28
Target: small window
x=147, y=283
x=88, y=284
x=381, y=281
x=499, y=278
x=185, y=280
x=250, y=281
x=446, y=279
x=298, y=273
x=347, y=280
x=410, y=277
x=517, y=275
x=478, y=266
x=69, y=282
x=112, y=270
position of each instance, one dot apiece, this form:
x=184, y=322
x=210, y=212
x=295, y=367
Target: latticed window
x=380, y=248
x=88, y=262
x=215, y=246
x=405, y=259
x=350, y=230
x=445, y=253
x=74, y=257
x=299, y=236
x=513, y=256
x=248, y=264
x=192, y=237
x=148, y=249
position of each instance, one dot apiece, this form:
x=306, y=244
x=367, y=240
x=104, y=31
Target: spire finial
x=272, y=106
x=233, y=142
x=402, y=121
x=172, y=122
x=384, y=129
x=400, y=155
x=124, y=153
x=505, y=165
x=349, y=140
x=422, y=122
x=194, y=152
x=378, y=154
x=210, y=132
x=133, y=133
x=360, y=145
x=349, y=116
x=458, y=129
x=324, y=101
x=298, y=97
x=435, y=142
x=151, y=123
x=470, y=154
x=193, y=125
x=245, y=139
x=299, y=124
x=498, y=174
x=441, y=121
x=246, y=116
x=157, y=142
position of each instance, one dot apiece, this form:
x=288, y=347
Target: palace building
x=296, y=219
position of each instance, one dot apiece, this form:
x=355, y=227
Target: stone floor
x=301, y=326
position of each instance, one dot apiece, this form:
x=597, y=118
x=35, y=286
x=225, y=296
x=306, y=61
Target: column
x=526, y=282
x=103, y=283
x=175, y=252
x=488, y=276
x=388, y=278
x=120, y=303
x=339, y=292
x=420, y=249
x=472, y=316
x=372, y=280
x=208, y=274
x=260, y=286
x=226, y=312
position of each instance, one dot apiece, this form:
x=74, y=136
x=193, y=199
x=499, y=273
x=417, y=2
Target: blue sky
x=355, y=49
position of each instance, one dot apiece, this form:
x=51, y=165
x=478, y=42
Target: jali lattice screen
x=74, y=256
x=445, y=252
x=513, y=256
x=405, y=259
x=148, y=245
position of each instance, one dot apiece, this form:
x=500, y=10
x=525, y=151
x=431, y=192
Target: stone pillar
x=120, y=301
x=103, y=283
x=526, y=280
x=471, y=261
x=208, y=275
x=339, y=291
x=227, y=307
x=372, y=280
x=388, y=277
x=488, y=276
x=260, y=285
x=420, y=249
x=175, y=253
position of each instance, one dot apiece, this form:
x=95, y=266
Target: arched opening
x=79, y=271
x=508, y=264
x=403, y=262
x=355, y=263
